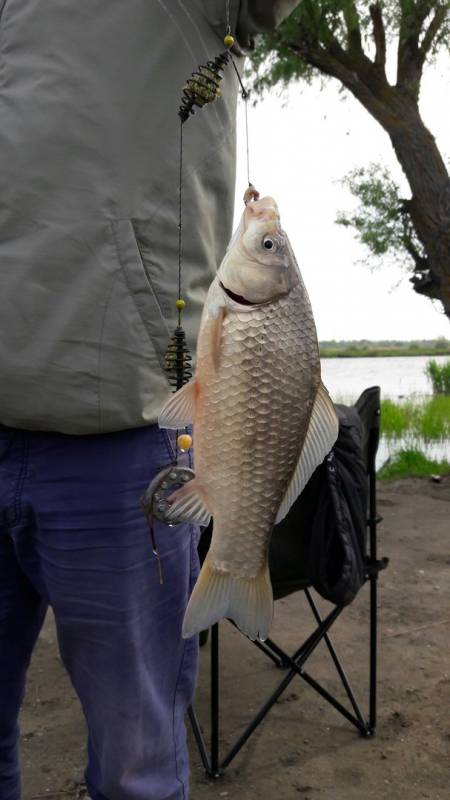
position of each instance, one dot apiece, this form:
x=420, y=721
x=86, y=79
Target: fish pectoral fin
x=320, y=438
x=179, y=410
x=247, y=601
x=216, y=337
x=211, y=333
x=188, y=504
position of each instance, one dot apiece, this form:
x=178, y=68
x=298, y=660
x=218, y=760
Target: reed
x=412, y=463
x=439, y=375
x=429, y=420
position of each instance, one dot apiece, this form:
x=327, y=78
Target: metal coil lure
x=178, y=360
x=203, y=86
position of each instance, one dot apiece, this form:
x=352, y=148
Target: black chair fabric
x=322, y=541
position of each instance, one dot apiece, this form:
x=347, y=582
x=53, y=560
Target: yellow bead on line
x=228, y=40
x=180, y=304
x=184, y=442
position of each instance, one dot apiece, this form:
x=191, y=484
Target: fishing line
x=227, y=12
x=201, y=88
x=180, y=198
x=245, y=94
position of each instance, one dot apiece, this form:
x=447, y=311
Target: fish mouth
x=238, y=298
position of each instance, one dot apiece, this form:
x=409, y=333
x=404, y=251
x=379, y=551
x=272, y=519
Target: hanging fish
x=263, y=421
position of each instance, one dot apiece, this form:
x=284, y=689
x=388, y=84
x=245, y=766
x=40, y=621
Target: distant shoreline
x=379, y=352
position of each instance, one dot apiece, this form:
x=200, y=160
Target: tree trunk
x=416, y=150
x=415, y=147
x=395, y=108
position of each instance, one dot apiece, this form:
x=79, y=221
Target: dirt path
x=304, y=749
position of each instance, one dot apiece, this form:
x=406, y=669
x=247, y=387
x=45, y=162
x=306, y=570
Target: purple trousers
x=73, y=536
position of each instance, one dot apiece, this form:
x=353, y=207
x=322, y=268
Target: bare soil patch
x=304, y=749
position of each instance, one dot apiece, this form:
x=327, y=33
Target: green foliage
x=412, y=463
x=278, y=58
x=348, y=40
x=441, y=343
x=381, y=220
x=318, y=26
x=439, y=375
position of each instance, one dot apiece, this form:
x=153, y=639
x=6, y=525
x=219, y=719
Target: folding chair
x=368, y=408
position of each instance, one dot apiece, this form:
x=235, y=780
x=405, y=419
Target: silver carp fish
x=263, y=421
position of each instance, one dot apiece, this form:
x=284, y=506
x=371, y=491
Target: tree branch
x=379, y=34
x=337, y=63
x=421, y=262
x=433, y=30
x=351, y=19
x=410, y=59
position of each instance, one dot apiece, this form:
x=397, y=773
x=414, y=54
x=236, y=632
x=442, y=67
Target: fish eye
x=268, y=243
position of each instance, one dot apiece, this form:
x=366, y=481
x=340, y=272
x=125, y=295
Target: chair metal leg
x=199, y=739
x=213, y=765
x=358, y=722
x=274, y=652
x=215, y=720
x=299, y=658
x=210, y=761
x=373, y=655
x=373, y=520
x=363, y=725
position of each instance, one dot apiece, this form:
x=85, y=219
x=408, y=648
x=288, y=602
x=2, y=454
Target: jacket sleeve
x=258, y=16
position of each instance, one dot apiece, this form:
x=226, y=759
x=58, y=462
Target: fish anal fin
x=247, y=601
x=179, y=410
x=188, y=504
x=321, y=435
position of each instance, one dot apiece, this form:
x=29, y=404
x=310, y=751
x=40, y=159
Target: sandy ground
x=305, y=749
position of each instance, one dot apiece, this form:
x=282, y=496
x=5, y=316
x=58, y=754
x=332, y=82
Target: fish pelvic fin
x=188, y=504
x=179, y=410
x=246, y=601
x=321, y=435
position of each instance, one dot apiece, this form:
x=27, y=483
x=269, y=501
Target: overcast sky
x=298, y=153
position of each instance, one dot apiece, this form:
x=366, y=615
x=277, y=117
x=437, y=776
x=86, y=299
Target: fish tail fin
x=247, y=601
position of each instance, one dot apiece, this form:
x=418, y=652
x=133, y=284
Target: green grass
x=429, y=420
x=412, y=463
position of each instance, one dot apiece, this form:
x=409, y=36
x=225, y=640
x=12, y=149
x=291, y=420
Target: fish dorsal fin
x=320, y=438
x=179, y=410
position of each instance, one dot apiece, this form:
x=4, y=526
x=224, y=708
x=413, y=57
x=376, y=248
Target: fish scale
x=254, y=411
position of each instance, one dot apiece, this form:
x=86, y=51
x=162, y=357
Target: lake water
x=398, y=377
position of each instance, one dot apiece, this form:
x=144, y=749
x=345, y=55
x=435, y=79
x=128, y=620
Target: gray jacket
x=89, y=149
